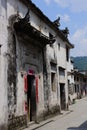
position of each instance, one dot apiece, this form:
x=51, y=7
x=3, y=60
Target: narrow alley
x=74, y=119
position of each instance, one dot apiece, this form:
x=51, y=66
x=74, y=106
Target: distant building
x=77, y=82
x=80, y=84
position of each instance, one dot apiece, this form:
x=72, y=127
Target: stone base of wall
x=18, y=122
x=3, y=127
x=48, y=113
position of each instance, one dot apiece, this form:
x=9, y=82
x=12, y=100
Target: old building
x=34, y=54
x=71, y=82
x=80, y=83
x=77, y=82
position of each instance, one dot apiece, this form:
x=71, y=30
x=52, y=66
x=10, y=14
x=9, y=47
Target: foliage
x=80, y=63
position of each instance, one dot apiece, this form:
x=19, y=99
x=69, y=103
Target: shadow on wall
x=81, y=127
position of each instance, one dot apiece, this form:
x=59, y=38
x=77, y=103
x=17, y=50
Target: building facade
x=71, y=82
x=80, y=84
x=33, y=65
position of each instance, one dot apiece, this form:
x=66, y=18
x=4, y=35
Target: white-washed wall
x=6, y=11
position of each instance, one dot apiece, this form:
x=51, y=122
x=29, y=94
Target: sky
x=73, y=14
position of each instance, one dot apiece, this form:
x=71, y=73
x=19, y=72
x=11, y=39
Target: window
x=61, y=71
x=58, y=46
x=75, y=88
x=0, y=49
x=53, y=81
x=68, y=82
x=53, y=67
x=67, y=53
x=51, y=37
x=77, y=78
x=74, y=78
x=53, y=76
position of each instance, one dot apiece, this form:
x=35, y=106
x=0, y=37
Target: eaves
x=40, y=14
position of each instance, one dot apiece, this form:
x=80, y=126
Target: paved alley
x=75, y=119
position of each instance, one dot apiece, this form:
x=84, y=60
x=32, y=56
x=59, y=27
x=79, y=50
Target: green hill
x=80, y=63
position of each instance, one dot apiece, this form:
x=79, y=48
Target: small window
x=53, y=81
x=75, y=88
x=74, y=78
x=61, y=71
x=68, y=82
x=53, y=66
x=67, y=53
x=58, y=46
x=77, y=78
x=50, y=36
x=0, y=49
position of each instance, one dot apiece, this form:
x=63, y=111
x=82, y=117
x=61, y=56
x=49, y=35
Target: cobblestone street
x=74, y=119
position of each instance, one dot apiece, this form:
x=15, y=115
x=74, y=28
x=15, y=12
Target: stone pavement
x=74, y=119
x=33, y=126
x=77, y=129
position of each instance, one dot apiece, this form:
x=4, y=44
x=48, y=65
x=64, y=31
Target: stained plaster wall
x=11, y=8
x=59, y=56
x=52, y=99
x=34, y=61
x=70, y=68
x=61, y=62
x=52, y=55
x=3, y=67
x=7, y=8
x=29, y=57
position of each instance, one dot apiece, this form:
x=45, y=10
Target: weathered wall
x=19, y=54
x=29, y=57
x=53, y=104
x=61, y=53
x=70, y=68
x=11, y=72
x=53, y=55
x=3, y=67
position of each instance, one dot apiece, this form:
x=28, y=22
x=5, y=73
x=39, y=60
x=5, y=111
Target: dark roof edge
x=37, y=11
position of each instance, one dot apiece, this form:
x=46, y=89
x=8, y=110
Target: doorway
x=62, y=96
x=31, y=97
